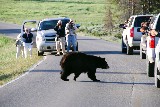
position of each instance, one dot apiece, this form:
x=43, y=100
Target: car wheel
x=142, y=54
x=157, y=81
x=40, y=53
x=150, y=69
x=77, y=47
x=129, y=50
x=124, y=48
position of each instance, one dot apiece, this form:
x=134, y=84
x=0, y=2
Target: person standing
x=60, y=39
x=19, y=46
x=70, y=30
x=27, y=42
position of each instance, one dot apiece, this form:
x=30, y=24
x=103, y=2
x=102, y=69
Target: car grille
x=50, y=35
x=50, y=39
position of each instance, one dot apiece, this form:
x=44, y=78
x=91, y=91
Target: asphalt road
x=125, y=84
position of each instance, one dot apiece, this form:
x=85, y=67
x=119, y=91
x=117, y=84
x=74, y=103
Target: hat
x=71, y=20
x=59, y=21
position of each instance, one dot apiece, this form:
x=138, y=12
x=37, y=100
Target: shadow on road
x=122, y=73
x=88, y=39
x=102, y=52
x=127, y=83
x=46, y=71
x=108, y=52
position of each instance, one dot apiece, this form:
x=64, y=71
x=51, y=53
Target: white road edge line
x=27, y=72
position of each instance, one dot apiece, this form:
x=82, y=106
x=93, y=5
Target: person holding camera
x=60, y=39
x=71, y=38
x=27, y=42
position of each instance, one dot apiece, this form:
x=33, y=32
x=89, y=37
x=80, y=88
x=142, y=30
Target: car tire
x=150, y=69
x=157, y=81
x=142, y=54
x=129, y=50
x=77, y=47
x=40, y=53
x=124, y=47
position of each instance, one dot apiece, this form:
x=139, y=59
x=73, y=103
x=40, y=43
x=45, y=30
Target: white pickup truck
x=153, y=51
x=131, y=37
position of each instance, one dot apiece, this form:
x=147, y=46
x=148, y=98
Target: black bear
x=77, y=63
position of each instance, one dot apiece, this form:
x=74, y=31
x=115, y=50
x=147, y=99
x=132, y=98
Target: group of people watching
x=24, y=41
x=69, y=32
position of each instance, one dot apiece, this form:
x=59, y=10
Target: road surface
x=125, y=84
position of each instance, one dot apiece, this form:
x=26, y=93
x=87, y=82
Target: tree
x=108, y=20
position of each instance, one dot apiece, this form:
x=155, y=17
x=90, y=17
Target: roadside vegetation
x=10, y=67
x=90, y=14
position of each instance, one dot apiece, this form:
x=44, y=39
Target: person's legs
x=18, y=51
x=30, y=49
x=68, y=43
x=58, y=47
x=74, y=42
x=25, y=51
x=62, y=43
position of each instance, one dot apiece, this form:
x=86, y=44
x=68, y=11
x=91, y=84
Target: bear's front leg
x=92, y=76
x=64, y=76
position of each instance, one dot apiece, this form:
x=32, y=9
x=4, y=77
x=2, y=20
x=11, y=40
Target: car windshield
x=46, y=25
x=139, y=20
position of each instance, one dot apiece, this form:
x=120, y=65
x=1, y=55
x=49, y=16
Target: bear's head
x=101, y=63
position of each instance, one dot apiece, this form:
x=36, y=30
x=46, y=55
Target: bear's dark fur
x=77, y=63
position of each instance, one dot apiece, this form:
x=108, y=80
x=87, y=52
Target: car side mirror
x=77, y=25
x=122, y=26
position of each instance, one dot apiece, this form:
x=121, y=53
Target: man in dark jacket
x=60, y=39
x=27, y=42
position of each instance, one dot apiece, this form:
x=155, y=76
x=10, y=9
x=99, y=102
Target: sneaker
x=57, y=54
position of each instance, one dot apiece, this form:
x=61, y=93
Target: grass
x=82, y=11
x=90, y=14
x=10, y=67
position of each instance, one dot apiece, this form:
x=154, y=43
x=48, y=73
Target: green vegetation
x=10, y=67
x=89, y=13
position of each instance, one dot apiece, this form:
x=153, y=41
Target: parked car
x=153, y=51
x=45, y=39
x=143, y=44
x=131, y=37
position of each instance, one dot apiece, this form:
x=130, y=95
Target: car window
x=46, y=25
x=139, y=20
x=158, y=24
x=64, y=22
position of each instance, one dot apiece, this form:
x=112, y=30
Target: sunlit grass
x=10, y=67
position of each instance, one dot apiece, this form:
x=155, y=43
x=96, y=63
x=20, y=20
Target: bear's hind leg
x=76, y=76
x=92, y=76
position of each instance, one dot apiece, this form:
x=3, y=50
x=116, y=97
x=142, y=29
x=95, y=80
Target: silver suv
x=45, y=39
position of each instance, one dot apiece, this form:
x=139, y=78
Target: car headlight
x=40, y=38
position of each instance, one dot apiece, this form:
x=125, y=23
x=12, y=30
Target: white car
x=46, y=35
x=131, y=37
x=153, y=51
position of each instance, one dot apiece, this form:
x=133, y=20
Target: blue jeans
x=71, y=40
